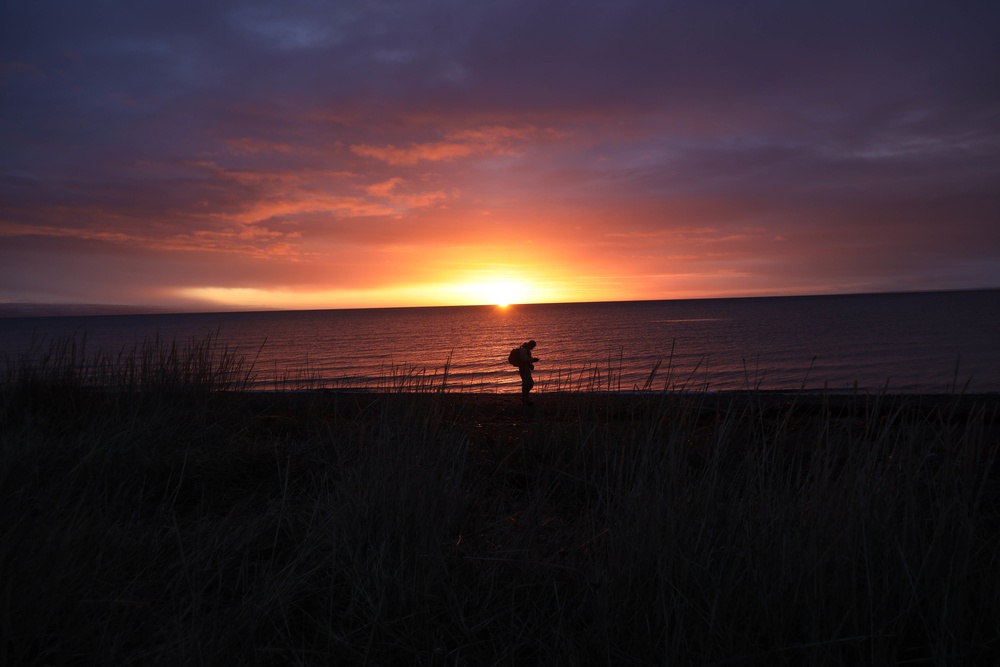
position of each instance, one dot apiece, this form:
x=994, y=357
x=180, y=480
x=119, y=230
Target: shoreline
x=543, y=402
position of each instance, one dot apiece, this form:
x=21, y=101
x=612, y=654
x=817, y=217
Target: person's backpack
x=514, y=358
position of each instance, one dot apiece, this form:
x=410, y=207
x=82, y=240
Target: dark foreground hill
x=182, y=526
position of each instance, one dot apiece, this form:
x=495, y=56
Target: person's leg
x=526, y=384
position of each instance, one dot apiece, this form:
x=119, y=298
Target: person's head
x=530, y=345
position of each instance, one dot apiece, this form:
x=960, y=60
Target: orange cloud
x=493, y=135
x=15, y=229
x=413, y=154
x=316, y=191
x=494, y=140
x=256, y=241
x=354, y=207
x=383, y=189
x=421, y=200
x=386, y=190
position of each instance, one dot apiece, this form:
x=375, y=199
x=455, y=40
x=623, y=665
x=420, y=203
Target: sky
x=301, y=154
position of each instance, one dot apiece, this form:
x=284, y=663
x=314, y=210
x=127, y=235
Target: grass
x=156, y=512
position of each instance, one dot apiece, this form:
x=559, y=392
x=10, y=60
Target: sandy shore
x=501, y=408
x=494, y=419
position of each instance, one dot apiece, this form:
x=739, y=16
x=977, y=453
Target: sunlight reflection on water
x=903, y=342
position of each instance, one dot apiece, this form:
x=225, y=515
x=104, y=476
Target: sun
x=504, y=292
x=499, y=288
x=500, y=292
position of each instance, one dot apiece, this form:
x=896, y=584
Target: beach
x=230, y=527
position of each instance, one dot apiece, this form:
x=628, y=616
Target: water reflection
x=906, y=342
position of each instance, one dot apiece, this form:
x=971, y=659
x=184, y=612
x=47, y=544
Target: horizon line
x=15, y=309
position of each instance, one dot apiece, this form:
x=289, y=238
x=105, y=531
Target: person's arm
x=525, y=356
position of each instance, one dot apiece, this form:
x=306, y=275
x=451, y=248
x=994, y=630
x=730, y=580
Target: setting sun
x=500, y=292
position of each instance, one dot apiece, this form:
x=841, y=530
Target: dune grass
x=165, y=515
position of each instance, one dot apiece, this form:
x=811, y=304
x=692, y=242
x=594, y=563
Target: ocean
x=933, y=342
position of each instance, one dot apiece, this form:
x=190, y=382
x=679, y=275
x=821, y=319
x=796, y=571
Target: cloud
x=299, y=203
x=481, y=141
x=383, y=189
x=415, y=153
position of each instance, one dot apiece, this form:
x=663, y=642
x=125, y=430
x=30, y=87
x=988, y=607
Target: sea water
x=935, y=342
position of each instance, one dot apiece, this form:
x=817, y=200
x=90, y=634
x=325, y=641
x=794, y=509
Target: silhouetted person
x=524, y=368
